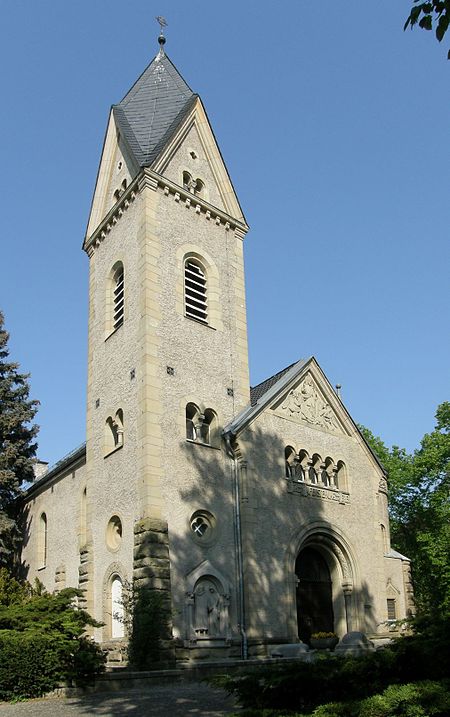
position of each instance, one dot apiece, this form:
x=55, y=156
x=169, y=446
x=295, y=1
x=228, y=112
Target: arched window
x=208, y=427
x=289, y=462
x=328, y=472
x=188, y=182
x=303, y=465
x=195, y=291
x=191, y=429
x=201, y=427
x=199, y=188
x=42, y=541
x=341, y=476
x=117, y=611
x=316, y=468
x=118, y=296
x=114, y=432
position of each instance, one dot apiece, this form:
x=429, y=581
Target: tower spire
x=161, y=38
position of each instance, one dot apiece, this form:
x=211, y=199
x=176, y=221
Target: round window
x=203, y=526
x=114, y=533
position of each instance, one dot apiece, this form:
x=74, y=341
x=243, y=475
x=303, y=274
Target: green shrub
x=335, y=679
x=419, y=699
x=42, y=641
x=30, y=665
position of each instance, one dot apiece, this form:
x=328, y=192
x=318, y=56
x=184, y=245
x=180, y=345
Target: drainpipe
x=238, y=539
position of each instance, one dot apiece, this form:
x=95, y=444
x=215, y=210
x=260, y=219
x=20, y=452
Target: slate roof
x=62, y=464
x=153, y=108
x=257, y=391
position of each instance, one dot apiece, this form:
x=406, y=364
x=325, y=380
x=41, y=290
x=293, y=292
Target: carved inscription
x=306, y=403
x=312, y=491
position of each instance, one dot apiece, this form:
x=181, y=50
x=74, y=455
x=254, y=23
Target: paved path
x=193, y=699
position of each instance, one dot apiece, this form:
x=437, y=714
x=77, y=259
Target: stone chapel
x=260, y=514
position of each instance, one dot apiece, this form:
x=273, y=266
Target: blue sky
x=333, y=123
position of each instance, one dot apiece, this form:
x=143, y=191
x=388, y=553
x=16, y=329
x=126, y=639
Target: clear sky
x=333, y=123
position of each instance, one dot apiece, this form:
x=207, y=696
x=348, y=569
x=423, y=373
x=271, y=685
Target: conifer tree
x=17, y=447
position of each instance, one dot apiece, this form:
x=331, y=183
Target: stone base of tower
x=151, y=573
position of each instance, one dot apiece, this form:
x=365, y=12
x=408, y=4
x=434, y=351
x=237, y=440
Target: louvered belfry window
x=118, y=293
x=195, y=291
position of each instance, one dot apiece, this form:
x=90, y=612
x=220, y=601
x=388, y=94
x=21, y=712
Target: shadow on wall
x=300, y=576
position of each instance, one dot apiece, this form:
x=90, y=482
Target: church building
x=259, y=514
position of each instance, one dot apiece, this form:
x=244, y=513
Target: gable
x=190, y=158
x=116, y=166
x=196, y=126
x=307, y=402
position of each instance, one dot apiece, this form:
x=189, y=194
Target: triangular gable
x=304, y=388
x=115, y=154
x=198, y=119
x=308, y=401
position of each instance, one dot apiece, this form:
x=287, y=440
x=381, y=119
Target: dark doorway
x=314, y=595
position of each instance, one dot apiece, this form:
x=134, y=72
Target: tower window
x=195, y=288
x=118, y=297
x=201, y=427
x=199, y=188
x=114, y=432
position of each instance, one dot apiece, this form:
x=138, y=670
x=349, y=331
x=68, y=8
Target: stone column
x=151, y=570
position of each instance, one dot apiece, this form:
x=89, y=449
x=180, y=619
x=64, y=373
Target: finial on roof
x=161, y=39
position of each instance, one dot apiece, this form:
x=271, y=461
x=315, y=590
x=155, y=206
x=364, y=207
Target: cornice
x=148, y=179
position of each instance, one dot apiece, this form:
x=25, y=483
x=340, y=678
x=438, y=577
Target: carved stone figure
x=306, y=402
x=207, y=608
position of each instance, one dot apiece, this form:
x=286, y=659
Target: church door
x=314, y=595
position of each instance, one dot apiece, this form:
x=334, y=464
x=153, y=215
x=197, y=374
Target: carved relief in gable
x=307, y=403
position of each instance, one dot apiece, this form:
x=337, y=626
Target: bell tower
x=167, y=356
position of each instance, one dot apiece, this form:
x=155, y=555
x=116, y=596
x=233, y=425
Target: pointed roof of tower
x=153, y=108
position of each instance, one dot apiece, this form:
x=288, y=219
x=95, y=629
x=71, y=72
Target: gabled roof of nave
x=153, y=108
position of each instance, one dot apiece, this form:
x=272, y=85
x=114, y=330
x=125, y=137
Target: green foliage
x=335, y=679
x=17, y=446
x=42, y=640
x=418, y=699
x=145, y=620
x=419, y=504
x=425, y=14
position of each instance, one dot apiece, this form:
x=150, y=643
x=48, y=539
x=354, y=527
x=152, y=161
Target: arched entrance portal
x=314, y=594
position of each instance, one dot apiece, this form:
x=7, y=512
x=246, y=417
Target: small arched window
x=117, y=611
x=114, y=432
x=208, y=428
x=199, y=188
x=43, y=540
x=341, y=476
x=118, y=291
x=303, y=465
x=188, y=182
x=201, y=427
x=191, y=428
x=328, y=473
x=289, y=462
x=316, y=468
x=195, y=291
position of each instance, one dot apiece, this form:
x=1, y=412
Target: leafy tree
x=425, y=14
x=419, y=487
x=17, y=447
